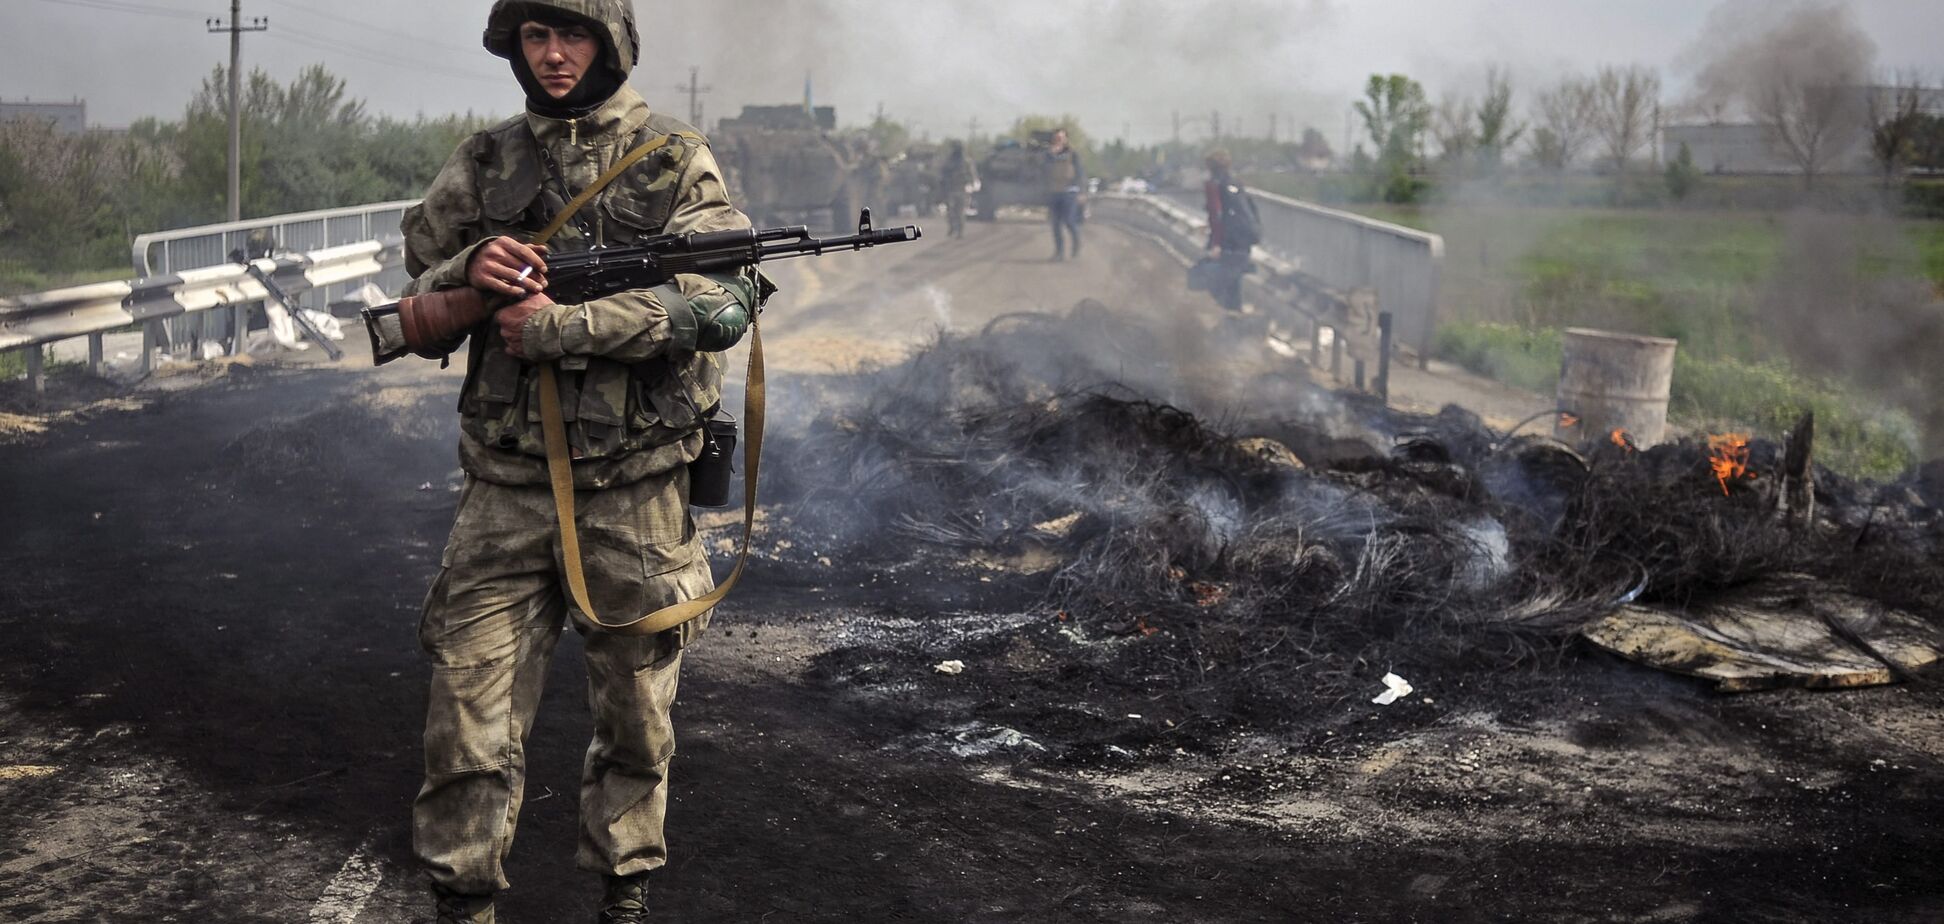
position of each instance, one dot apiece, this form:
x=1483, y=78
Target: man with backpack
x=1233, y=230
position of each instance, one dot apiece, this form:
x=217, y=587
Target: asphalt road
x=211, y=698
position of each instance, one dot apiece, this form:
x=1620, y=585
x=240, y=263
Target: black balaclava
x=596, y=86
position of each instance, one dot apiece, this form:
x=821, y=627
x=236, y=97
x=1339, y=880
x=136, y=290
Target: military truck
x=1012, y=174
x=787, y=164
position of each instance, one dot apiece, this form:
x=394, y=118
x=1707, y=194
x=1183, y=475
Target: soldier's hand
x=495, y=268
x=512, y=321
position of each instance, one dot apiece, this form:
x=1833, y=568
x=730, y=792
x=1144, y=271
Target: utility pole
x=1215, y=124
x=1177, y=126
x=235, y=28
x=694, y=89
x=972, y=130
x=1272, y=128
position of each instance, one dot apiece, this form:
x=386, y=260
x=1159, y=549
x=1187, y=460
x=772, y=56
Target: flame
x=1568, y=420
x=1622, y=439
x=1728, y=457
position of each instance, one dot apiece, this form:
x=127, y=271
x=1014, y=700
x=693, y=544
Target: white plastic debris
x=1395, y=688
x=326, y=324
x=371, y=295
x=949, y=667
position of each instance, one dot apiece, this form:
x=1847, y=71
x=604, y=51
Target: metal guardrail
x=1359, y=324
x=29, y=321
x=1345, y=251
x=161, y=252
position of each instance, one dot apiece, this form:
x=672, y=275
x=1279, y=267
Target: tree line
x=1602, y=122
x=73, y=202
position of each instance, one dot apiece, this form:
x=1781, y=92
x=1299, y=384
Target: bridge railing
x=1348, y=251
x=1335, y=270
x=318, y=257
x=162, y=253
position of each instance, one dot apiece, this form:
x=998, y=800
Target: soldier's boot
x=461, y=908
x=625, y=901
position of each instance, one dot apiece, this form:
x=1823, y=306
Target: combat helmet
x=615, y=18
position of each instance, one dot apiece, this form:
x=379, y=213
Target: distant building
x=1742, y=148
x=1752, y=148
x=69, y=118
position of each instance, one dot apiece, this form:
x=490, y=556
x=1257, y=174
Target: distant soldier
x=956, y=177
x=1233, y=230
x=1065, y=178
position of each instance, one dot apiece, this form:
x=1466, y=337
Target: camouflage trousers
x=490, y=623
x=955, y=215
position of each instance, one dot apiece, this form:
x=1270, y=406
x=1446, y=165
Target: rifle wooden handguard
x=434, y=319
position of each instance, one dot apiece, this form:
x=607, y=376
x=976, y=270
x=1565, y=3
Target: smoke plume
x=1123, y=65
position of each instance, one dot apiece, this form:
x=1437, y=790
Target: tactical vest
x=612, y=409
x=1062, y=170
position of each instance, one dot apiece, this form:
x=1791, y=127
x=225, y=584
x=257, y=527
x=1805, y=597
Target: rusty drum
x=1613, y=382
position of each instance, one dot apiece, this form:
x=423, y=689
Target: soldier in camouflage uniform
x=637, y=372
x=956, y=177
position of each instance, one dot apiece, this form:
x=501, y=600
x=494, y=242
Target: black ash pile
x=1234, y=559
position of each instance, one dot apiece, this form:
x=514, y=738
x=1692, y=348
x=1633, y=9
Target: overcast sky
x=1123, y=66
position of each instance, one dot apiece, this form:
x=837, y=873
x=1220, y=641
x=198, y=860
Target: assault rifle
x=413, y=325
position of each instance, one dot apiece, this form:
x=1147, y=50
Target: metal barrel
x=1611, y=382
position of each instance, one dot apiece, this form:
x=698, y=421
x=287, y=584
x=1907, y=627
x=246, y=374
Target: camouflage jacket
x=956, y=175
x=630, y=394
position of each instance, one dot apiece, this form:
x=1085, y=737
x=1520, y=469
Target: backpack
x=1241, y=225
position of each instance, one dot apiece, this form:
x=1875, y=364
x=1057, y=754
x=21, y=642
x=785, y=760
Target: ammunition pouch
x=709, y=474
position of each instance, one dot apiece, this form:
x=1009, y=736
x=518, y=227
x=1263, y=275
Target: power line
x=368, y=27
x=123, y=6
x=352, y=51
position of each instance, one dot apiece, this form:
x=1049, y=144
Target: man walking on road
x=638, y=372
x=1065, y=179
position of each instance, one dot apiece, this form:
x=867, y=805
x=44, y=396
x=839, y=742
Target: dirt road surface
x=211, y=699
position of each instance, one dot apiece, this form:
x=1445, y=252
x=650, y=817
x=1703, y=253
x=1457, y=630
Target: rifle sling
x=560, y=467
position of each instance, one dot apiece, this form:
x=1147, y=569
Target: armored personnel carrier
x=785, y=164
x=1012, y=174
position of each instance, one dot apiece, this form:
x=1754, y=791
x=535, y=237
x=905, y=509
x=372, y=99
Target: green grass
x=1854, y=435
x=1516, y=275
x=17, y=277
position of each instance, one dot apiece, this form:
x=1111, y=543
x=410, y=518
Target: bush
x=1854, y=435
x=1681, y=175
x=1924, y=199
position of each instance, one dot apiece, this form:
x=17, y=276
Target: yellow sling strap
x=560, y=467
